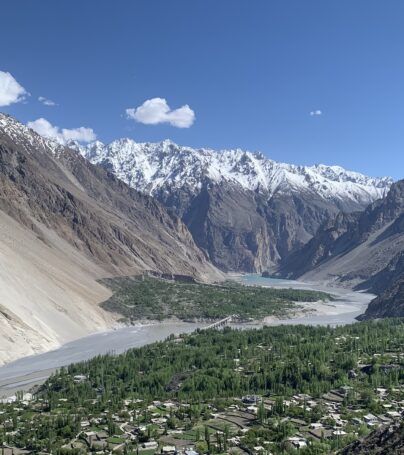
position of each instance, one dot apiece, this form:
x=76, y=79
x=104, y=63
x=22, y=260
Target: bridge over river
x=221, y=323
x=28, y=371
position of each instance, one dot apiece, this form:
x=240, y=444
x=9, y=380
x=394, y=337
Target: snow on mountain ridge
x=149, y=167
x=152, y=166
x=26, y=137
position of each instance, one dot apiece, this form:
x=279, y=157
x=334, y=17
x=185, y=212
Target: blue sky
x=251, y=72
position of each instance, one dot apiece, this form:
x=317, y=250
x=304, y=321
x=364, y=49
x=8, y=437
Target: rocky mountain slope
x=64, y=223
x=389, y=285
x=383, y=441
x=247, y=212
x=363, y=250
x=354, y=247
x=390, y=303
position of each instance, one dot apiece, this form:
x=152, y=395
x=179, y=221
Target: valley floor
x=274, y=390
x=28, y=371
x=344, y=309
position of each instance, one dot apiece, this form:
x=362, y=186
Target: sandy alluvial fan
x=64, y=223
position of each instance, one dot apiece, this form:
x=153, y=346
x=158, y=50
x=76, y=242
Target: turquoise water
x=257, y=280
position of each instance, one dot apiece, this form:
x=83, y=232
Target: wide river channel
x=22, y=374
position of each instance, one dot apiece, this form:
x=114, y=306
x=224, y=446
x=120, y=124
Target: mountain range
x=362, y=250
x=69, y=219
x=251, y=214
x=246, y=212
x=64, y=224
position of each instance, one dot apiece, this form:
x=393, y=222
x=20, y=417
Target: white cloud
x=10, y=90
x=315, y=113
x=156, y=110
x=45, y=128
x=80, y=134
x=46, y=102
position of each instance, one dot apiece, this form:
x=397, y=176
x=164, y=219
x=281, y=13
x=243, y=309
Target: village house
x=393, y=414
x=190, y=452
x=151, y=445
x=169, y=450
x=296, y=442
x=316, y=426
x=370, y=419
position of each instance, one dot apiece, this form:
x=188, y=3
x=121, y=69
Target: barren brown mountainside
x=389, y=285
x=247, y=212
x=64, y=224
x=363, y=250
x=354, y=247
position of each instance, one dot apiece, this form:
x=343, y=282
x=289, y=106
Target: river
x=22, y=374
x=344, y=309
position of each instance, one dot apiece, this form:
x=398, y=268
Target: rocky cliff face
x=245, y=211
x=364, y=250
x=46, y=184
x=389, y=285
x=242, y=230
x=383, y=441
x=387, y=277
x=353, y=248
x=332, y=238
x=64, y=223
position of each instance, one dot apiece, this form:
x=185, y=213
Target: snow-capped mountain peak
x=245, y=211
x=25, y=137
x=149, y=167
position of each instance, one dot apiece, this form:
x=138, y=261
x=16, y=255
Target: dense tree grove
x=145, y=297
x=274, y=360
x=214, y=367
